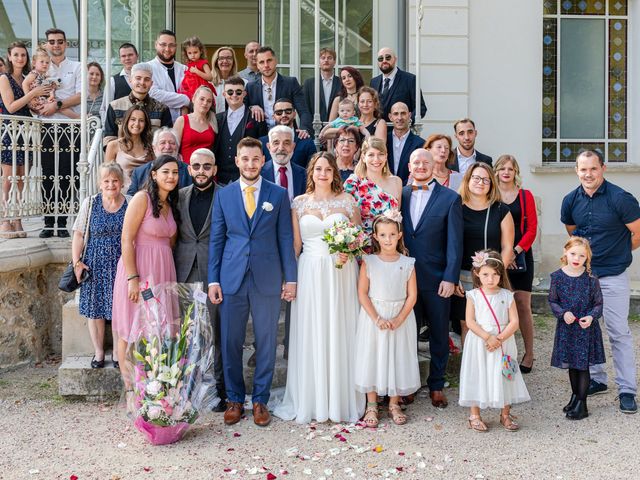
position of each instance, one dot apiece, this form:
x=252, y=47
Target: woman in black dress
x=371, y=113
x=522, y=206
x=488, y=224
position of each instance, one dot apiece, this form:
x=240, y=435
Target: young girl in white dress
x=492, y=318
x=386, y=346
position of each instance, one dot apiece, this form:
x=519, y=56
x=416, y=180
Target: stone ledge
x=568, y=167
x=22, y=253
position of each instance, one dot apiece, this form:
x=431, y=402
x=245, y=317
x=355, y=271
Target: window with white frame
x=584, y=79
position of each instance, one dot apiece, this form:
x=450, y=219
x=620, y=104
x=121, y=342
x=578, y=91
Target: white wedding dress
x=320, y=376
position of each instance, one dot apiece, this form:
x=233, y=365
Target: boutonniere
x=267, y=207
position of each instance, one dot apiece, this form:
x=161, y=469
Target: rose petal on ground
x=236, y=434
x=271, y=476
x=378, y=448
x=328, y=472
x=307, y=471
x=34, y=471
x=122, y=445
x=429, y=419
x=73, y=477
x=448, y=458
x=438, y=467
x=400, y=453
x=422, y=465
x=146, y=469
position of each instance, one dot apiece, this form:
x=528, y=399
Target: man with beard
x=329, y=85
x=395, y=85
x=67, y=96
x=284, y=114
x=466, y=153
x=191, y=253
x=168, y=74
x=141, y=82
x=165, y=142
x=251, y=73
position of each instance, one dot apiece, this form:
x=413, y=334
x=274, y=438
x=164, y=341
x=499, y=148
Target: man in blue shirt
x=609, y=217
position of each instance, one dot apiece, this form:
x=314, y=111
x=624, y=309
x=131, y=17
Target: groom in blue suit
x=252, y=266
x=433, y=230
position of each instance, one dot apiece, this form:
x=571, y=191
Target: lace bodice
x=304, y=205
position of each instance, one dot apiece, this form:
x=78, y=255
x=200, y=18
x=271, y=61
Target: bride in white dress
x=320, y=376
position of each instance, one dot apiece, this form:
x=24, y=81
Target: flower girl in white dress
x=386, y=347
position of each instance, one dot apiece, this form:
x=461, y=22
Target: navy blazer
x=403, y=90
x=286, y=87
x=262, y=244
x=299, y=176
x=436, y=242
x=480, y=157
x=304, y=150
x=413, y=142
x=309, y=90
x=140, y=174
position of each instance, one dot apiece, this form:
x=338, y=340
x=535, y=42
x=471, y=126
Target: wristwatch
x=59, y=104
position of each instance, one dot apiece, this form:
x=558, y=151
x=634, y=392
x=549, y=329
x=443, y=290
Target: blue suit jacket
x=140, y=174
x=403, y=90
x=299, y=176
x=286, y=87
x=262, y=244
x=305, y=149
x=436, y=242
x=412, y=143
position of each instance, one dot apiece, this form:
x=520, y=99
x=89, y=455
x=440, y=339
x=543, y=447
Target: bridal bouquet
x=345, y=237
x=170, y=360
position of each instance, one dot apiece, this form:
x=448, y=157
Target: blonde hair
x=211, y=117
x=110, y=168
x=502, y=161
x=40, y=53
x=215, y=69
x=494, y=193
x=578, y=242
x=494, y=260
x=378, y=144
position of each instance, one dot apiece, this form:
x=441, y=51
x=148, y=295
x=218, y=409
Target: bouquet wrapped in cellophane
x=345, y=237
x=172, y=361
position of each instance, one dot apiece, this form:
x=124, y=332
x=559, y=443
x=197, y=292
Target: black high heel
x=524, y=369
x=579, y=411
x=572, y=403
x=97, y=363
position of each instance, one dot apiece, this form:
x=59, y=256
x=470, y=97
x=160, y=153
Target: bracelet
x=76, y=263
x=131, y=277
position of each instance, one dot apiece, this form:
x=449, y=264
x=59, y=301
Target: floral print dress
x=370, y=198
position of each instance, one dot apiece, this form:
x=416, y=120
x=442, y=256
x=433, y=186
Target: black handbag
x=520, y=261
x=68, y=282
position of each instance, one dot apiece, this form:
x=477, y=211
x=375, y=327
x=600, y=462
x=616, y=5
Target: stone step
x=77, y=379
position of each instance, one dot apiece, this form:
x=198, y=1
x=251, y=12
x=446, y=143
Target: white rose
x=267, y=207
x=154, y=412
x=153, y=388
x=339, y=238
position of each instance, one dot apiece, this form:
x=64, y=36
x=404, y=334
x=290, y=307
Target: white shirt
x=69, y=73
x=398, y=146
x=234, y=117
x=268, y=104
x=288, y=173
x=391, y=76
x=163, y=90
x=327, y=83
x=465, y=162
x=419, y=200
x=256, y=192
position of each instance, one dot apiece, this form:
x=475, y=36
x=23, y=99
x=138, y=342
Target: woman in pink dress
x=148, y=236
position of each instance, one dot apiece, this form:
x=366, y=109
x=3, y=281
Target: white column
x=83, y=45
x=34, y=25
x=107, y=56
x=419, y=14
x=317, y=121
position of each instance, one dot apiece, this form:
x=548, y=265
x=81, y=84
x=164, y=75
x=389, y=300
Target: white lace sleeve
x=350, y=205
x=81, y=220
x=299, y=204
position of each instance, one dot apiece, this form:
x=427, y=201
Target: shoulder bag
x=68, y=281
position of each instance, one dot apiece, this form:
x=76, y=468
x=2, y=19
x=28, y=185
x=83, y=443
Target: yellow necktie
x=249, y=201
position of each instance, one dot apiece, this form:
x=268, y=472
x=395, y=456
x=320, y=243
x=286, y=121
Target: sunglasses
x=237, y=92
x=59, y=42
x=386, y=57
x=287, y=111
x=207, y=167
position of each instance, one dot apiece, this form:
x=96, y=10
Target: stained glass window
x=584, y=79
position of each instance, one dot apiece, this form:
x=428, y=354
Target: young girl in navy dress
x=576, y=301
x=492, y=318
x=386, y=346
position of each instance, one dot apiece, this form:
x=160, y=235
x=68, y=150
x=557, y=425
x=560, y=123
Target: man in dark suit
x=330, y=85
x=395, y=85
x=191, y=253
x=234, y=124
x=285, y=114
x=401, y=141
x=262, y=94
x=165, y=142
x=433, y=230
x=466, y=154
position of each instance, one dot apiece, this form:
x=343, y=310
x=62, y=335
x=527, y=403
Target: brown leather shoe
x=234, y=412
x=261, y=415
x=438, y=399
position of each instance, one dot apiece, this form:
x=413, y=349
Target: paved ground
x=45, y=437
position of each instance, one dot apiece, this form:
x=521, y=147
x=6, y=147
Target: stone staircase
x=77, y=379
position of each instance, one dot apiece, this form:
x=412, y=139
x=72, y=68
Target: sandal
x=18, y=229
x=476, y=423
x=371, y=415
x=395, y=412
x=508, y=422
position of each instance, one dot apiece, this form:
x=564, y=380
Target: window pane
x=276, y=27
x=307, y=28
x=582, y=78
x=356, y=27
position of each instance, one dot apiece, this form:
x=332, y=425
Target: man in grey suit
x=192, y=249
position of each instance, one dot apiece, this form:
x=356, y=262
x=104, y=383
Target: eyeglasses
x=237, y=92
x=283, y=111
x=225, y=59
x=59, y=42
x=346, y=140
x=479, y=179
x=386, y=57
x=167, y=45
x=207, y=167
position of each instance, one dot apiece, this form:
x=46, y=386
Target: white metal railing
x=40, y=173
